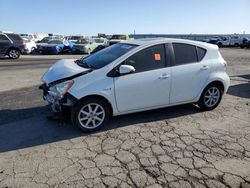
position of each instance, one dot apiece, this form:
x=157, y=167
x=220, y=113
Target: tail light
x=23, y=45
x=225, y=65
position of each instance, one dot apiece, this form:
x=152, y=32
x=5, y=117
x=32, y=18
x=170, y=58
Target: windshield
x=119, y=37
x=74, y=37
x=55, y=42
x=45, y=40
x=82, y=41
x=99, y=40
x=105, y=56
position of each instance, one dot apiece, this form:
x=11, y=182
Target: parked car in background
x=118, y=38
x=84, y=46
x=74, y=38
x=12, y=45
x=235, y=40
x=135, y=76
x=49, y=38
x=56, y=47
x=101, y=41
x=245, y=43
x=30, y=45
x=226, y=41
x=29, y=36
x=223, y=42
x=40, y=36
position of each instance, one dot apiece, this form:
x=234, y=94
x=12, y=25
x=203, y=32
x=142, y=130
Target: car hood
x=80, y=45
x=117, y=40
x=62, y=69
x=50, y=45
x=41, y=44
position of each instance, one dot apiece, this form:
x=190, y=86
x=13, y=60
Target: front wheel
x=90, y=114
x=210, y=97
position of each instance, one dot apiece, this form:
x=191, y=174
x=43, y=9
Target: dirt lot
x=172, y=147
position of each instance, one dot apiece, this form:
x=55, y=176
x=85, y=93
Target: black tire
x=81, y=105
x=202, y=101
x=59, y=50
x=14, y=53
x=33, y=49
x=219, y=45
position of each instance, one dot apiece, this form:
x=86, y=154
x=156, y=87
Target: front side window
x=148, y=59
x=184, y=53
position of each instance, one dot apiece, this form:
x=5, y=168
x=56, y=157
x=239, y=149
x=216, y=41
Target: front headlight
x=62, y=88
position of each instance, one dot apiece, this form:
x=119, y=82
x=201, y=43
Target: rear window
x=201, y=52
x=184, y=53
x=14, y=37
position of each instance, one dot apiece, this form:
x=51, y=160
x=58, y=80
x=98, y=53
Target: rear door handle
x=204, y=67
x=164, y=76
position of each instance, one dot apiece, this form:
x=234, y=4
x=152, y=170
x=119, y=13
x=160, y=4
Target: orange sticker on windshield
x=157, y=57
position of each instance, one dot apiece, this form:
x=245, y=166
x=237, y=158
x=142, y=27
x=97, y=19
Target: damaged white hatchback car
x=136, y=76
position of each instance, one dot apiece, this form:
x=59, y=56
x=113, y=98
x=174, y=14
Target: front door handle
x=204, y=67
x=164, y=76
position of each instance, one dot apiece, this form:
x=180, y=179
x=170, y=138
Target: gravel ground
x=171, y=147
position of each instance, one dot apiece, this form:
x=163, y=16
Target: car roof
x=152, y=41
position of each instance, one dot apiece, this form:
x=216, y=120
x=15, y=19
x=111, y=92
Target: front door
x=149, y=86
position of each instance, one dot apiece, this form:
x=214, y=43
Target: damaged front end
x=57, y=99
x=58, y=80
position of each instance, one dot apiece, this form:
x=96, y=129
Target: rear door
x=189, y=72
x=149, y=86
x=4, y=44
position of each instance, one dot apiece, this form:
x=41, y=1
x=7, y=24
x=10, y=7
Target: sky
x=125, y=16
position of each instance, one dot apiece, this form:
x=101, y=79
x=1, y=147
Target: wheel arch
x=214, y=81
x=217, y=82
x=12, y=47
x=96, y=96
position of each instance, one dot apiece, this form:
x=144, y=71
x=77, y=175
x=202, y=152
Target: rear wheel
x=90, y=114
x=210, y=97
x=14, y=53
x=219, y=45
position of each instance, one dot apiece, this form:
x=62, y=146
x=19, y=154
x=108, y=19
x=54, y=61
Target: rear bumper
x=77, y=51
x=25, y=51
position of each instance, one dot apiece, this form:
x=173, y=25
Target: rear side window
x=184, y=53
x=15, y=37
x=201, y=52
x=2, y=37
x=148, y=59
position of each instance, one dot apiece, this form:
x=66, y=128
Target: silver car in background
x=84, y=46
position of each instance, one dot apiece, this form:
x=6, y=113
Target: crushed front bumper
x=57, y=102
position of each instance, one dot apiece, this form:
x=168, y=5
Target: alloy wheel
x=14, y=54
x=91, y=116
x=212, y=97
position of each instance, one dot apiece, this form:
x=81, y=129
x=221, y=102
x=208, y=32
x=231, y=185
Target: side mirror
x=126, y=69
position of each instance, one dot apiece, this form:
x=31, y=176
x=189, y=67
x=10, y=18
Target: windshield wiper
x=83, y=64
